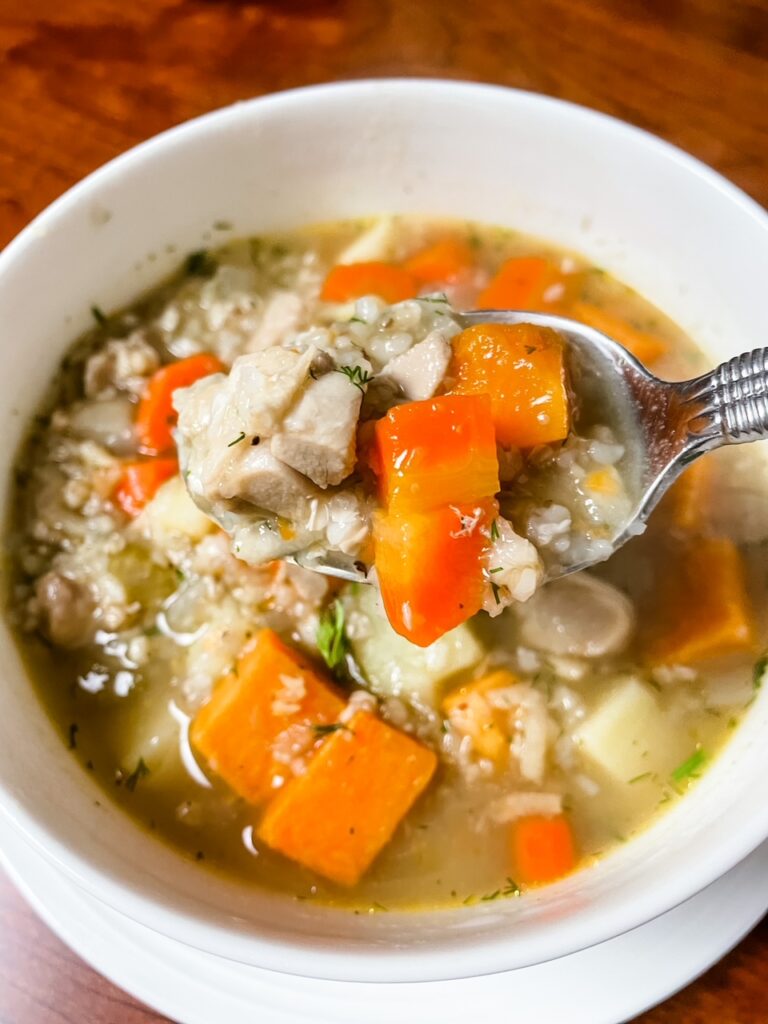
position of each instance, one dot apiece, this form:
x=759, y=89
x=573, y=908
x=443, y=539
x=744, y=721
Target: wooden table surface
x=82, y=80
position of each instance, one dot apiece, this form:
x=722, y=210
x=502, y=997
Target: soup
x=477, y=734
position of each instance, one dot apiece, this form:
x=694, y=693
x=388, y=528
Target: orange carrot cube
x=441, y=262
x=140, y=482
x=349, y=281
x=435, y=452
x=542, y=849
x=429, y=566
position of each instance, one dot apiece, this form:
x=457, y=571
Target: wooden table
x=82, y=80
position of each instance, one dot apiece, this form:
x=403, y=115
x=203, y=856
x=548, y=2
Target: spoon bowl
x=664, y=426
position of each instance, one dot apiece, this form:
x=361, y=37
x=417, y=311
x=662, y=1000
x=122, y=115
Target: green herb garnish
x=691, y=767
x=356, y=375
x=326, y=728
x=495, y=530
x=200, y=264
x=640, y=778
x=759, y=671
x=510, y=888
x=99, y=315
x=139, y=772
x=499, y=568
x=356, y=320
x=332, y=639
x=495, y=588
x=237, y=440
x=437, y=297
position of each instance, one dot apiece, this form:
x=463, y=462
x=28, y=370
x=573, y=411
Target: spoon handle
x=728, y=405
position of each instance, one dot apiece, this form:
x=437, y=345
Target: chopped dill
x=356, y=375
x=99, y=315
x=139, y=772
x=495, y=530
x=495, y=589
x=759, y=671
x=237, y=440
x=691, y=767
x=200, y=264
x=331, y=638
x=326, y=728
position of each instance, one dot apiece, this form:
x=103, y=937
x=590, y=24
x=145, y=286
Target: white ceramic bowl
x=662, y=222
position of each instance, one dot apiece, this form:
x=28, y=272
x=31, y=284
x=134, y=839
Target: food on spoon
x=522, y=368
x=272, y=723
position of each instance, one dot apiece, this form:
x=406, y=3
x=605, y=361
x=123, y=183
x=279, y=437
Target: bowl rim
x=484, y=955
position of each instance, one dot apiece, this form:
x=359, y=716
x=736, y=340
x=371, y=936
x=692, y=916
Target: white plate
x=606, y=984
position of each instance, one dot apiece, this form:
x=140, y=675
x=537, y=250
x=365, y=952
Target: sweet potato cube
x=338, y=815
x=703, y=609
x=522, y=368
x=436, y=452
x=271, y=689
x=645, y=347
x=687, y=500
x=471, y=712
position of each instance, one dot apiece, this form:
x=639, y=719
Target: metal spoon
x=663, y=425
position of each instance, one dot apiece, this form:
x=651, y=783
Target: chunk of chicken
x=282, y=315
x=318, y=434
x=66, y=610
x=419, y=371
x=224, y=423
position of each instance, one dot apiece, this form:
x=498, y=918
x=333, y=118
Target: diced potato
x=393, y=665
x=628, y=734
x=374, y=243
x=172, y=512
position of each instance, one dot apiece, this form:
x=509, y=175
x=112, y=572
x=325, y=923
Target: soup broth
x=610, y=691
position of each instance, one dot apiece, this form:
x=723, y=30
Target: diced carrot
x=140, y=481
x=156, y=416
x=472, y=714
x=435, y=452
x=643, y=346
x=349, y=281
x=441, y=262
x=702, y=609
x=528, y=282
x=338, y=815
x=271, y=689
x=542, y=849
x=429, y=567
x=688, y=498
x=522, y=368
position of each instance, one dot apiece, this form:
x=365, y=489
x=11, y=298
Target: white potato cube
x=628, y=733
x=172, y=513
